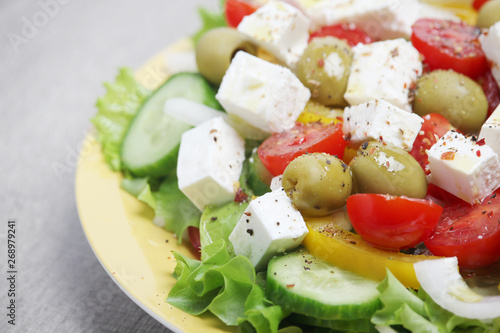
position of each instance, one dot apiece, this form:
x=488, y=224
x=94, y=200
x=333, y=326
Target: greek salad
x=333, y=163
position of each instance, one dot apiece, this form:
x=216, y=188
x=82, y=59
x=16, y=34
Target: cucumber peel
x=151, y=144
x=303, y=284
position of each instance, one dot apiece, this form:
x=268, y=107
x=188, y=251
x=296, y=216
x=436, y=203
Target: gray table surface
x=54, y=57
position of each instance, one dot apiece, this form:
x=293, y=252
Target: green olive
x=216, y=48
x=324, y=68
x=455, y=96
x=489, y=14
x=379, y=168
x=317, y=184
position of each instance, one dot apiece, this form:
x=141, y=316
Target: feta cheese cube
x=490, y=131
x=267, y=96
x=210, y=162
x=270, y=225
x=327, y=12
x=383, y=70
x=276, y=183
x=490, y=43
x=279, y=28
x=380, y=19
x=397, y=20
x=380, y=120
x=461, y=166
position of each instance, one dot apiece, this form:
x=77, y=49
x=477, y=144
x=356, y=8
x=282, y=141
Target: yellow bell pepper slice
x=349, y=251
x=461, y=8
x=314, y=112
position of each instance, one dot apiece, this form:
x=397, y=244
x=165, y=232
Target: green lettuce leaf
x=225, y=286
x=210, y=20
x=219, y=221
x=115, y=111
x=418, y=313
x=169, y=203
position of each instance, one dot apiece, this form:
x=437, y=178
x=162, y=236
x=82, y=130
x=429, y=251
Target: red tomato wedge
x=491, y=90
x=346, y=31
x=469, y=232
x=281, y=148
x=433, y=128
x=440, y=196
x=477, y=4
x=392, y=222
x=450, y=45
x=235, y=10
x=194, y=238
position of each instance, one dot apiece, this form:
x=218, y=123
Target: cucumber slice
x=258, y=176
x=303, y=284
x=152, y=141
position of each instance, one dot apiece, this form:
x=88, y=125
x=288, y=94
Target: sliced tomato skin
x=236, y=10
x=433, y=128
x=491, y=90
x=346, y=31
x=450, y=45
x=194, y=238
x=469, y=232
x=440, y=196
x=277, y=151
x=477, y=4
x=392, y=222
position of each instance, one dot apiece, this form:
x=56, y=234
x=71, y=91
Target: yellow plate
x=136, y=254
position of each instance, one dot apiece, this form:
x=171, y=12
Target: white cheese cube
x=380, y=120
x=380, y=19
x=210, y=162
x=464, y=168
x=490, y=131
x=326, y=12
x=270, y=225
x=383, y=70
x=279, y=28
x=490, y=43
x=276, y=183
x=398, y=19
x=267, y=96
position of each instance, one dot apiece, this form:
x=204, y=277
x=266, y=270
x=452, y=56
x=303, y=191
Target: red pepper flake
x=478, y=153
x=449, y=155
x=248, y=214
x=481, y=142
x=490, y=214
x=290, y=285
x=372, y=151
x=321, y=63
x=240, y=196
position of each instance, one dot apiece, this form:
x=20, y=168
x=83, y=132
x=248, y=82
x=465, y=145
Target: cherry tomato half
x=235, y=10
x=392, y=222
x=441, y=197
x=433, y=128
x=469, y=232
x=450, y=45
x=491, y=90
x=281, y=148
x=194, y=238
x=346, y=31
x=477, y=4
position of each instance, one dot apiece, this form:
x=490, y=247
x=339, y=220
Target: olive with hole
x=379, y=168
x=488, y=14
x=453, y=95
x=324, y=68
x=318, y=184
x=215, y=50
